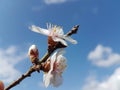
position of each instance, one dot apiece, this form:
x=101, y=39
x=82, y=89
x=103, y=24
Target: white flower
x=57, y=66
x=56, y=32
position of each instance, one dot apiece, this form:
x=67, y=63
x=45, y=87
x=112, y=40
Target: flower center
x=54, y=29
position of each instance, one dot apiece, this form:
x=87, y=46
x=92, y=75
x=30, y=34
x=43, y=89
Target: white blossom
x=57, y=66
x=56, y=32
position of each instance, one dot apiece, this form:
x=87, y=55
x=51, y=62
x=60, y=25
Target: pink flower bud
x=33, y=54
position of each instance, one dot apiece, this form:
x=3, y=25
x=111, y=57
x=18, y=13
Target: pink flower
x=57, y=66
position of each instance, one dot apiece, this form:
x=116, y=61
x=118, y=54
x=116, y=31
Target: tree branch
x=45, y=57
x=73, y=31
x=27, y=74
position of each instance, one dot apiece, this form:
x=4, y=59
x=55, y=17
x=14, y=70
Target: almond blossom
x=57, y=66
x=56, y=32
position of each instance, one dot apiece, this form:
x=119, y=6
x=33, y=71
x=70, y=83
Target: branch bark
x=45, y=57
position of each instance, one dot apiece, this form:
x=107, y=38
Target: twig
x=27, y=74
x=73, y=31
x=31, y=70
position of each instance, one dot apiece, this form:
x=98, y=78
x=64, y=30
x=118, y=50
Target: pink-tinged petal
x=61, y=63
x=58, y=80
x=39, y=30
x=47, y=79
x=54, y=77
x=55, y=55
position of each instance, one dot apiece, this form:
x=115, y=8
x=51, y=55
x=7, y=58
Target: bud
x=1, y=85
x=33, y=54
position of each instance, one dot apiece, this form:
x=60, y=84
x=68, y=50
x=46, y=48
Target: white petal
x=39, y=30
x=57, y=39
x=61, y=51
x=53, y=59
x=32, y=47
x=59, y=31
x=54, y=77
x=58, y=80
x=44, y=77
x=48, y=79
x=61, y=61
x=68, y=38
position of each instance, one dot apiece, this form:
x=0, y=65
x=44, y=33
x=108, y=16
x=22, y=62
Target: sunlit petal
x=59, y=31
x=57, y=66
x=47, y=79
x=61, y=63
x=57, y=39
x=68, y=38
x=39, y=30
x=58, y=80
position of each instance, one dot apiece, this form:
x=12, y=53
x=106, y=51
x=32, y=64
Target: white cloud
x=8, y=59
x=111, y=83
x=54, y=1
x=104, y=56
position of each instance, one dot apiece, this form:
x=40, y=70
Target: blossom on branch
x=57, y=66
x=55, y=34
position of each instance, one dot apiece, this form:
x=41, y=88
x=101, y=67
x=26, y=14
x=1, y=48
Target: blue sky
x=93, y=64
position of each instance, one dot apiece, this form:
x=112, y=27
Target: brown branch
x=73, y=31
x=27, y=74
x=31, y=70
